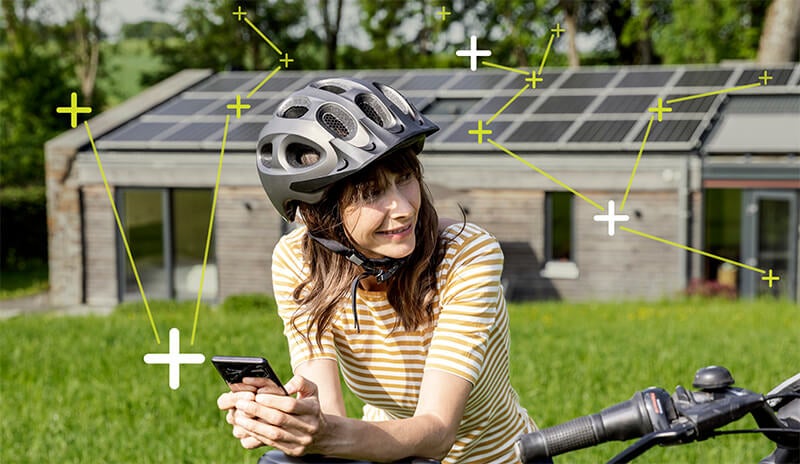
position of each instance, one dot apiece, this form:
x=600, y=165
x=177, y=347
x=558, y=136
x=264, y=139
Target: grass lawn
x=76, y=390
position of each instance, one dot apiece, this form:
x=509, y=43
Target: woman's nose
x=397, y=203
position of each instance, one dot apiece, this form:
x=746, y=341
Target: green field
x=76, y=390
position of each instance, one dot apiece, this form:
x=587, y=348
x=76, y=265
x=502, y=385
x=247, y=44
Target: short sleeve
x=288, y=272
x=470, y=298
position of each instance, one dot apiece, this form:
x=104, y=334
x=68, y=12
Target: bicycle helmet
x=348, y=123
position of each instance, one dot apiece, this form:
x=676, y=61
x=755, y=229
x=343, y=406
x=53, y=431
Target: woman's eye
x=403, y=178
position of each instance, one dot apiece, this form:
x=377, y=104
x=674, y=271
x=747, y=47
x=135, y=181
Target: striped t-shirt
x=384, y=367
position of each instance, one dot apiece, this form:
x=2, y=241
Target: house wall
x=624, y=266
x=246, y=230
x=100, y=237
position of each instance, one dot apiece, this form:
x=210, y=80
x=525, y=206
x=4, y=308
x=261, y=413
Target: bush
x=23, y=226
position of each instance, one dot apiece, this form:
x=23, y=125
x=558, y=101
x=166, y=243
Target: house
x=718, y=173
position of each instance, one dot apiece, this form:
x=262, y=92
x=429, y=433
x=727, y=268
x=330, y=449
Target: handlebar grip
x=646, y=411
x=569, y=436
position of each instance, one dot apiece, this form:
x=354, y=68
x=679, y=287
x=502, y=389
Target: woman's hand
x=294, y=425
x=227, y=402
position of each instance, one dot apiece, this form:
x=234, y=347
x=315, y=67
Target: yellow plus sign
x=558, y=30
x=480, y=131
x=286, y=60
x=238, y=106
x=239, y=13
x=764, y=77
x=533, y=79
x=660, y=109
x=444, y=13
x=770, y=278
x=74, y=109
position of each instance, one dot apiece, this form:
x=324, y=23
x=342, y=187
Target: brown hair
x=411, y=291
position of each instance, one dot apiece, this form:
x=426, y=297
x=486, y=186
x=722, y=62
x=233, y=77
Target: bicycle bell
x=712, y=378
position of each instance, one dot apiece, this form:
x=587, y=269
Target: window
x=167, y=231
x=559, y=237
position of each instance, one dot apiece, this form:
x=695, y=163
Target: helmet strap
x=382, y=268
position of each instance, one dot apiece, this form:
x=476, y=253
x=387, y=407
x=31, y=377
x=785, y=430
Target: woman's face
x=384, y=224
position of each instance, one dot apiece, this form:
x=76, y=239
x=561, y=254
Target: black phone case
x=234, y=368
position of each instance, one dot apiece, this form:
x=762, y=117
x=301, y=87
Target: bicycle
x=657, y=418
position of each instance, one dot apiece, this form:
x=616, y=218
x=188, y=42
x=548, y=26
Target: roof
x=570, y=110
x=757, y=124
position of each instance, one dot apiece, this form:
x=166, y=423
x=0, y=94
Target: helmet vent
x=395, y=97
x=295, y=112
x=265, y=155
x=332, y=89
x=338, y=121
x=300, y=155
x=374, y=109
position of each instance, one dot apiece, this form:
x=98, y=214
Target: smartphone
x=235, y=368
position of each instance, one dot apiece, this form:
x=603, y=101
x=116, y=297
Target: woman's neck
x=371, y=284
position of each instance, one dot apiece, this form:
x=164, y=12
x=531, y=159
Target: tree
x=781, y=33
x=211, y=36
x=708, y=31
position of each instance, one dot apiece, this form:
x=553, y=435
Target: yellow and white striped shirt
x=467, y=338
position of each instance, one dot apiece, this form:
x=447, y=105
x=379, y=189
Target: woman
x=407, y=306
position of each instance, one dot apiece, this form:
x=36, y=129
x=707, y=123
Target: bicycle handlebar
x=646, y=411
x=664, y=419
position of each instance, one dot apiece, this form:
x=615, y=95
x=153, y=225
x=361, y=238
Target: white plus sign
x=611, y=218
x=175, y=358
x=473, y=53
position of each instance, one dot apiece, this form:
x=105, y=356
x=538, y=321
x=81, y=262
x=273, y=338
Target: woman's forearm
x=419, y=436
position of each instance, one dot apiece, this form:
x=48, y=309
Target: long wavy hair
x=411, y=291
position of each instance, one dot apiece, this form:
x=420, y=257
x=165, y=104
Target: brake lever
x=677, y=433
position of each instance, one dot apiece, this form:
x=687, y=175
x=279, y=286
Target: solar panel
x=245, y=132
x=223, y=83
x=461, y=134
x=493, y=105
x=565, y=104
x=221, y=107
x=425, y=82
x=645, y=79
x=588, y=80
x=539, y=131
x=680, y=130
x=518, y=81
x=136, y=131
x=195, y=132
x=278, y=83
x=602, y=131
x=779, y=76
x=452, y=106
x=383, y=78
x=482, y=81
x=704, y=78
x=183, y=106
x=695, y=105
x=625, y=104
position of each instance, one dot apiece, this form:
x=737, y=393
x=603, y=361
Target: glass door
x=769, y=242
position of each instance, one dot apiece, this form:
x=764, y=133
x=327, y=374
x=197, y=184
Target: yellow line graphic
x=504, y=68
x=507, y=104
x=210, y=228
x=274, y=47
x=546, y=52
x=260, y=84
x=122, y=233
x=716, y=92
x=540, y=171
x=636, y=164
x=693, y=250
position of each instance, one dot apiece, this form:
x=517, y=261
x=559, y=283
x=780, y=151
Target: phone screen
x=234, y=369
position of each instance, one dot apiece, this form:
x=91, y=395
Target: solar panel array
x=585, y=109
